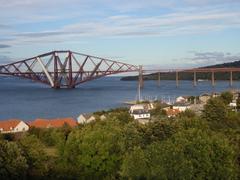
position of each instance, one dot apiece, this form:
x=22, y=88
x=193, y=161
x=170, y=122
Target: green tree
x=233, y=120
x=157, y=131
x=185, y=123
x=158, y=111
x=33, y=151
x=95, y=150
x=188, y=114
x=215, y=112
x=193, y=153
x=189, y=154
x=227, y=97
x=13, y=165
x=135, y=164
x=238, y=102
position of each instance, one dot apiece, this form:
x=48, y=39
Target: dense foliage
x=185, y=147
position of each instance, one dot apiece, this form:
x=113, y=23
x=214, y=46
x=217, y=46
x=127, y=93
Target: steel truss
x=65, y=68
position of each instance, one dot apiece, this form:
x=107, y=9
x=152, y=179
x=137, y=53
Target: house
x=182, y=99
x=87, y=118
x=53, y=123
x=181, y=106
x=172, y=112
x=149, y=106
x=13, y=126
x=233, y=104
x=103, y=117
x=139, y=111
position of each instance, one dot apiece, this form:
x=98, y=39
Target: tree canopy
x=188, y=146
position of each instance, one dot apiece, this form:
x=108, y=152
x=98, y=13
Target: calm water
x=26, y=100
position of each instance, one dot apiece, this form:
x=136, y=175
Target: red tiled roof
x=8, y=124
x=54, y=123
x=172, y=112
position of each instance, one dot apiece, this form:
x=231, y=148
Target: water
x=26, y=100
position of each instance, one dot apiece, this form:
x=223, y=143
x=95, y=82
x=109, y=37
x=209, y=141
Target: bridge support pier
x=140, y=77
x=177, y=81
x=213, y=79
x=55, y=76
x=194, y=79
x=70, y=82
x=231, y=79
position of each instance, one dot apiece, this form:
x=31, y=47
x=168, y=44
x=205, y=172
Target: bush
x=189, y=154
x=157, y=131
x=13, y=164
x=95, y=151
x=215, y=112
x=188, y=114
x=227, y=97
x=33, y=151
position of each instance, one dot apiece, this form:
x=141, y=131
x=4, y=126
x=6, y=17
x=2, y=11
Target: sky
x=153, y=33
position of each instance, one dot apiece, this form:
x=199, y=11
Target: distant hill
x=227, y=65
x=189, y=76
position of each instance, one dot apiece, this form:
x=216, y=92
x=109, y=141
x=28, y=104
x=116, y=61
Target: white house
x=181, y=99
x=139, y=111
x=85, y=118
x=13, y=126
x=181, y=106
x=233, y=104
x=103, y=117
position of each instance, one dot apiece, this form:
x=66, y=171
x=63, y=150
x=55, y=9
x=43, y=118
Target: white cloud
x=119, y=23
x=178, y=23
x=199, y=59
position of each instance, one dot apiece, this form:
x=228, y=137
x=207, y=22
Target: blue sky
x=154, y=33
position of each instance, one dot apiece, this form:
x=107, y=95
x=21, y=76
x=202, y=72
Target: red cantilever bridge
x=65, y=68
x=69, y=69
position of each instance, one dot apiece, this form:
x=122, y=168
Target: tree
x=215, y=112
x=193, y=153
x=189, y=154
x=33, y=151
x=185, y=123
x=188, y=114
x=227, y=97
x=158, y=130
x=158, y=111
x=13, y=165
x=238, y=102
x=134, y=165
x=95, y=151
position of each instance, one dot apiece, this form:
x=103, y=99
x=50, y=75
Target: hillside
x=189, y=76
